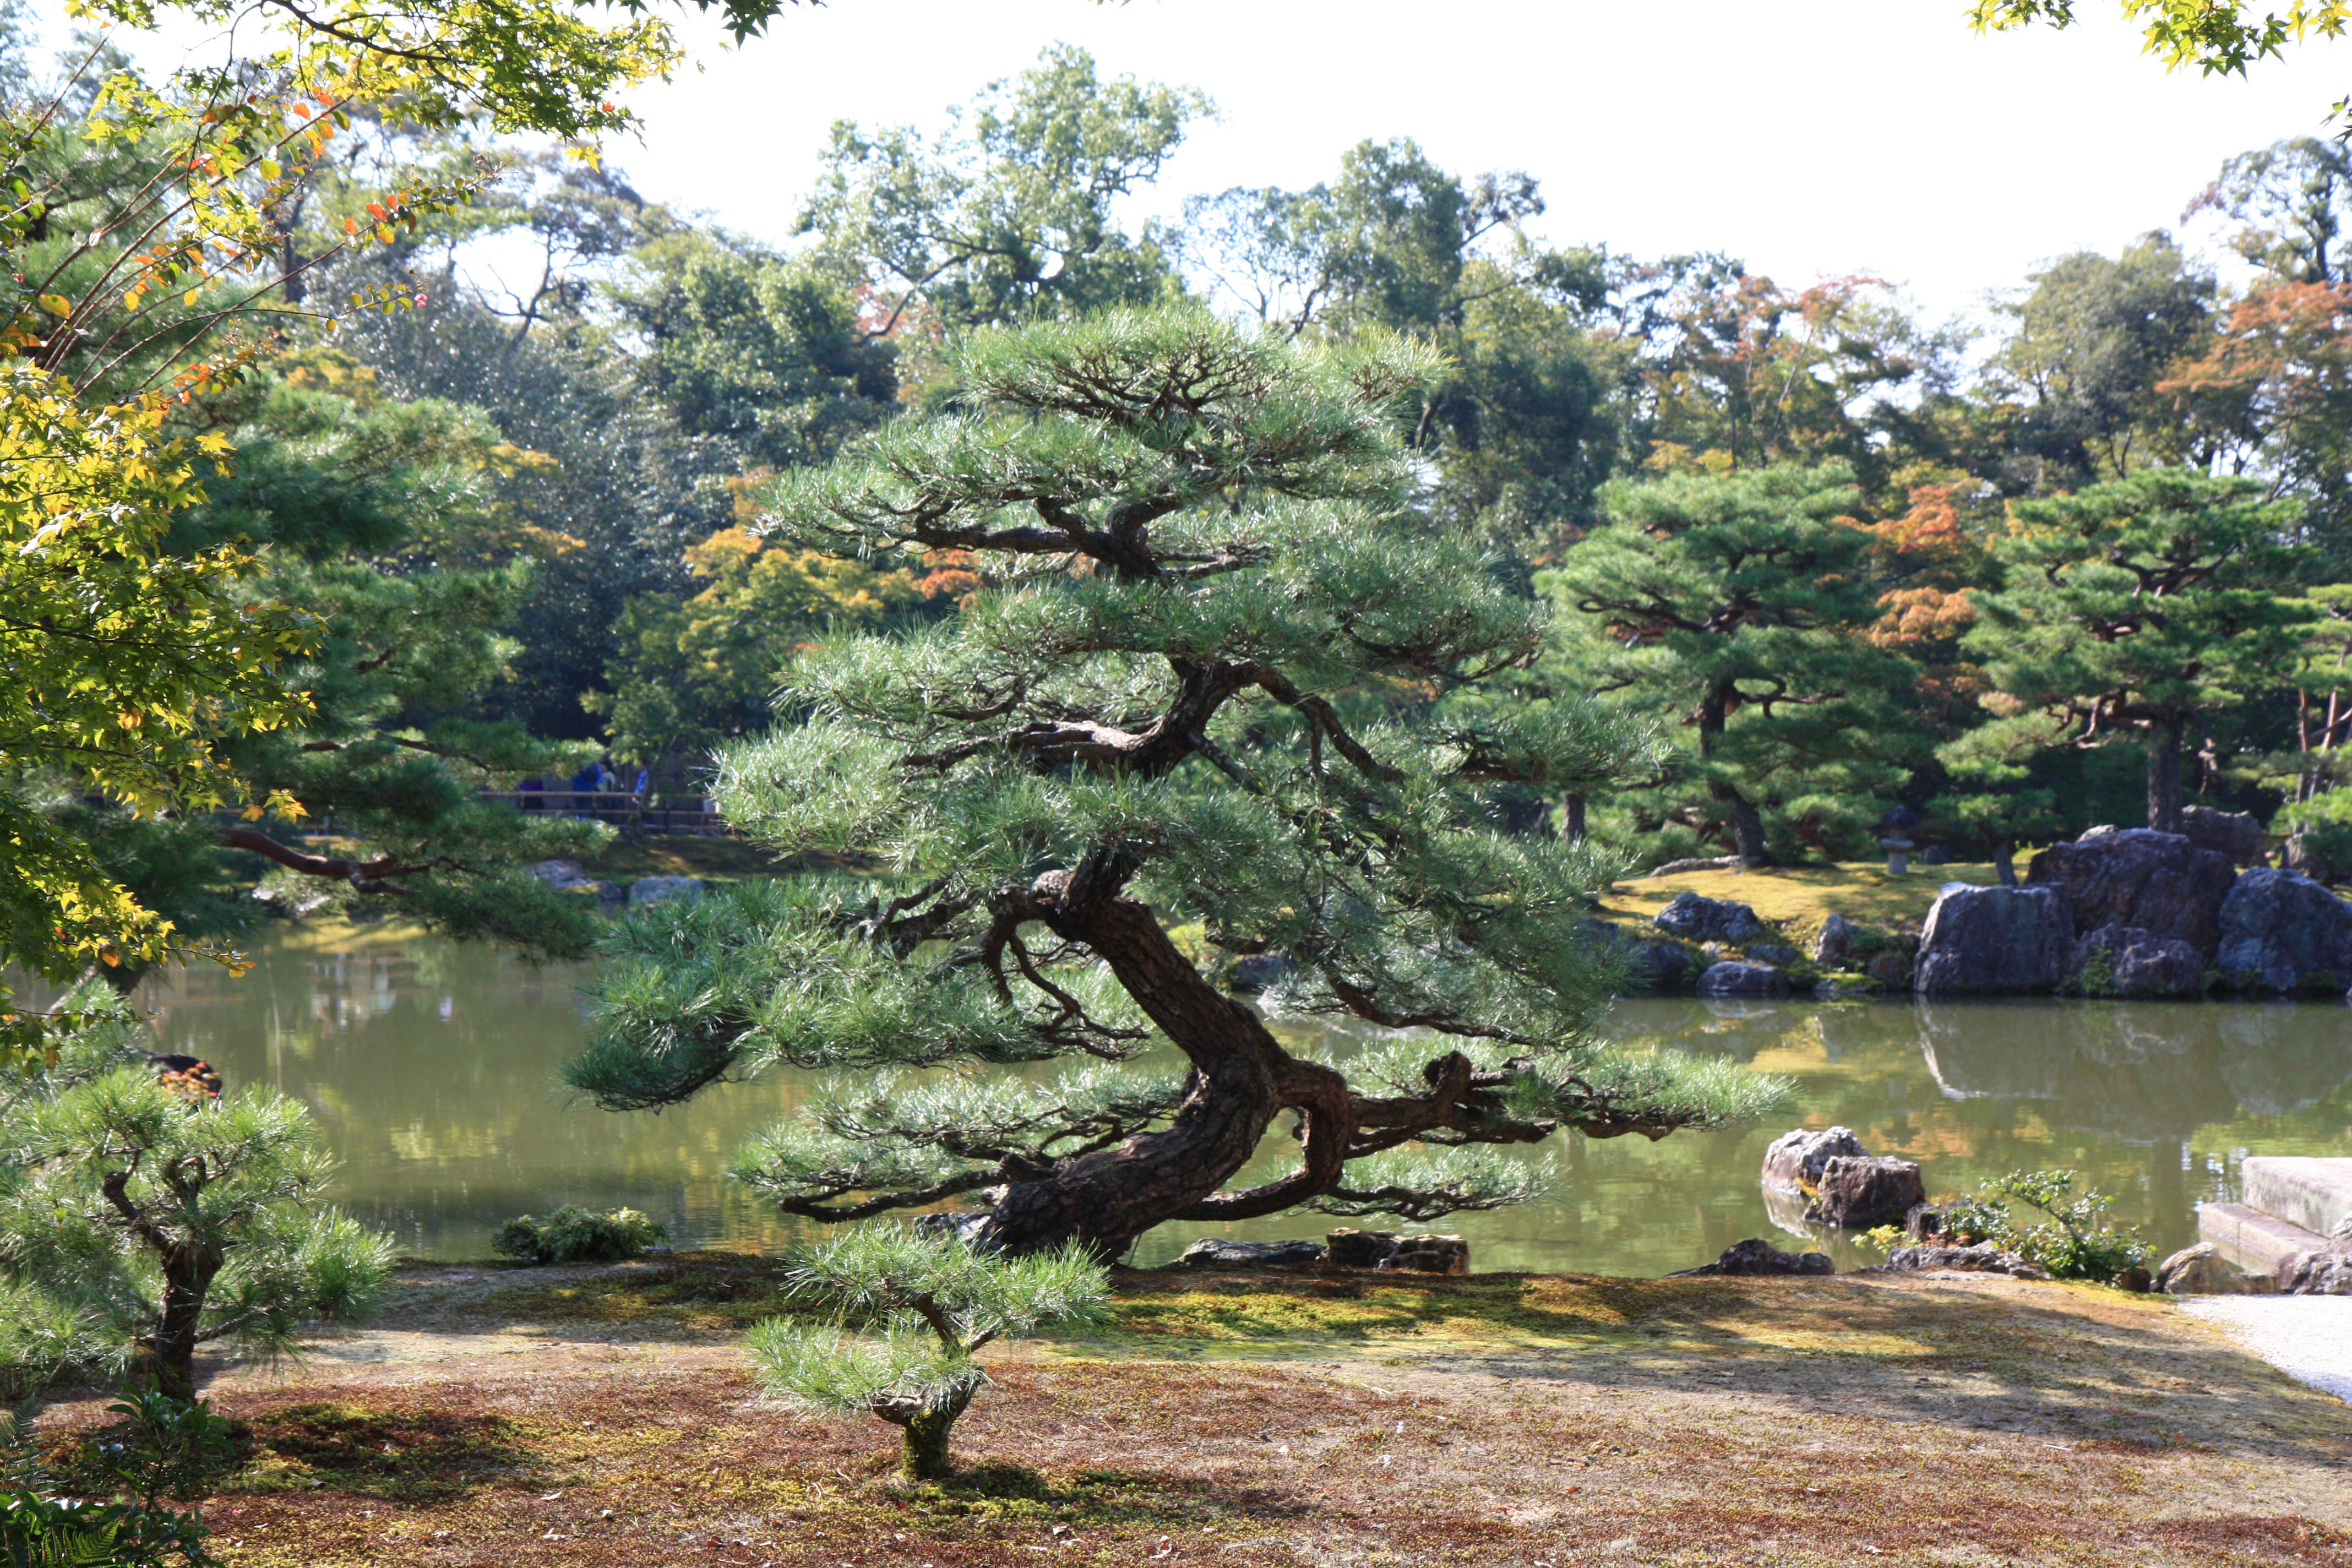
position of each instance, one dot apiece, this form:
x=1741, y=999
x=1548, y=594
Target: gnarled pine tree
x=1217, y=673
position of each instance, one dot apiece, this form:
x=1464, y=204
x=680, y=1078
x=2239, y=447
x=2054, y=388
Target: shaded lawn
x=1497, y=1419
x=1798, y=898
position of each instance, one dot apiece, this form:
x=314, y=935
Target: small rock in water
x=1755, y=1256
x=1212, y=1252
x=1859, y=1191
x=1795, y=1160
x=1732, y=978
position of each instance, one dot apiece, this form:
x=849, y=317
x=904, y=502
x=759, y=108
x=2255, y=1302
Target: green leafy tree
x=2220, y=38
x=1735, y=603
x=1011, y=214
x=1210, y=677
x=2146, y=606
x=912, y=1314
x=140, y=1220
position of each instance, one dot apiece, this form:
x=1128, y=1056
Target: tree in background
x=1009, y=217
x=695, y=675
x=1209, y=678
x=2220, y=38
x=2292, y=200
x=2141, y=607
x=1736, y=603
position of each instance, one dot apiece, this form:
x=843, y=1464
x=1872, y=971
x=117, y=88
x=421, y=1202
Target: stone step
x=2314, y=1194
x=2253, y=1240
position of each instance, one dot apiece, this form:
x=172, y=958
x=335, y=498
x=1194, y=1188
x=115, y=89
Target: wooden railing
x=629, y=813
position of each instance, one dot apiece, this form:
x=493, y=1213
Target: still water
x=432, y=1067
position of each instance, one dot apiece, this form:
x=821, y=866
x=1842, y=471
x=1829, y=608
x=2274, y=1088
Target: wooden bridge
x=629, y=813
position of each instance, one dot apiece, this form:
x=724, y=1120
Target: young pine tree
x=1734, y=604
x=2145, y=606
x=1215, y=676
x=912, y=1313
x=140, y=1221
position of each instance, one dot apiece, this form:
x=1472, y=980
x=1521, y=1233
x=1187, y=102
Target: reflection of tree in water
x=2143, y=1072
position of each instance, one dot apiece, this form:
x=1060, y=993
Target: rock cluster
x=2160, y=882
x=1984, y=1257
x=2126, y=961
x=2280, y=930
x=1731, y=977
x=1795, y=1161
x=1343, y=1248
x=1695, y=919
x=1757, y=1257
x=2201, y=1270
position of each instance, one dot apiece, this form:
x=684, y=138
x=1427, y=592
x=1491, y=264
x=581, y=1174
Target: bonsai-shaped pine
x=2147, y=604
x=138, y=1222
x=1217, y=676
x=912, y=1313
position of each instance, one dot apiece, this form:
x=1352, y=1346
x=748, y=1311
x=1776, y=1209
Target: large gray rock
x=2124, y=961
x=2327, y=1273
x=1779, y=955
x=648, y=890
x=1989, y=940
x=1732, y=978
x=1796, y=1159
x=1834, y=942
x=1757, y=1257
x=2199, y=1270
x=2160, y=882
x=1695, y=919
x=1215, y=1252
x=2236, y=834
x=2280, y=930
x=1859, y=1192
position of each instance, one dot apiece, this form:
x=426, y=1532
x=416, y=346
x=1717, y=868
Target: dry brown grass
x=1323, y=1420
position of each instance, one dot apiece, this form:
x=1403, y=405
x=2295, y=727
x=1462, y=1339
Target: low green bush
x=575, y=1235
x=2070, y=1235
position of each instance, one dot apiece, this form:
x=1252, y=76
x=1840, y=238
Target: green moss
x=410, y=1454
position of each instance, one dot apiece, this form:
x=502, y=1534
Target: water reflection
x=432, y=1068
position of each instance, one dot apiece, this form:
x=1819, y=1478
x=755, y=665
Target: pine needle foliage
x=138, y=1224
x=912, y=1311
x=1217, y=670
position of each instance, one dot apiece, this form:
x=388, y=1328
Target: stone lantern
x=1897, y=843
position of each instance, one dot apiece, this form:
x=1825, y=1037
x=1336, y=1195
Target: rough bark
x=926, y=1429
x=2164, y=775
x=1746, y=823
x=1572, y=829
x=2005, y=862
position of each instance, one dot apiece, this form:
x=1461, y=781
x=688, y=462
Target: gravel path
x=2309, y=1338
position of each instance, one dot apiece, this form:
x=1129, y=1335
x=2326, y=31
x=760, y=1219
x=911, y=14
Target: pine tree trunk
x=2005, y=862
x=167, y=1357
x=926, y=1454
x=1236, y=1086
x=1573, y=823
x=2164, y=775
x=1746, y=823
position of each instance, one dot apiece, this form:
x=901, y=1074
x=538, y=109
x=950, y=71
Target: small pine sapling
x=911, y=1312
x=138, y=1223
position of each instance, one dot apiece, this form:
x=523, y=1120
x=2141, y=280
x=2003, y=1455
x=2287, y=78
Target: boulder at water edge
x=1859, y=1191
x=2283, y=931
x=2124, y=961
x=1695, y=919
x=2160, y=882
x=2236, y=834
x=2199, y=1270
x=1215, y=1252
x=1984, y=1257
x=1985, y=940
x=1351, y=1249
x=2327, y=1273
x=1731, y=978
x=1657, y=966
x=1835, y=944
x=1795, y=1161
x=1757, y=1257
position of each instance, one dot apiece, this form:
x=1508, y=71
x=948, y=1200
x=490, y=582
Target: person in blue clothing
x=583, y=783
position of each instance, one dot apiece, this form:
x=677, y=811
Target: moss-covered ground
x=1799, y=898
x=604, y=1417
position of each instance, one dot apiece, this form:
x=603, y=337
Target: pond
x=432, y=1067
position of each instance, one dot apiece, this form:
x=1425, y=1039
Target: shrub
x=138, y=1223
x=2071, y=1237
x=171, y=1444
x=912, y=1310
x=575, y=1235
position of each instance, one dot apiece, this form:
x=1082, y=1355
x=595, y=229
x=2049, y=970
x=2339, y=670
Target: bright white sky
x=1812, y=137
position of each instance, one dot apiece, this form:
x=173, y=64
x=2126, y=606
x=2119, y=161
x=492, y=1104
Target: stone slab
x=2253, y=1240
x=2316, y=1194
